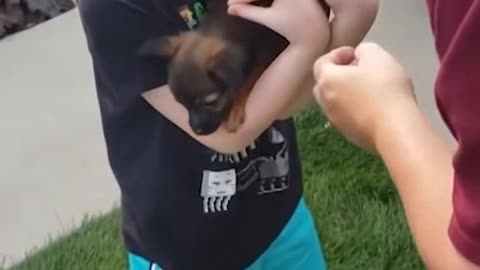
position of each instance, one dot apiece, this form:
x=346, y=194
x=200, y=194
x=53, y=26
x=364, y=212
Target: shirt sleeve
x=455, y=27
x=114, y=31
x=465, y=223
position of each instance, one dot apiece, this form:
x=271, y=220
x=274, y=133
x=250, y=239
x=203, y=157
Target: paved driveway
x=53, y=167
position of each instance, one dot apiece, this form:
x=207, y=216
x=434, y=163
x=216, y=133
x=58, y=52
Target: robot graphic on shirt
x=188, y=16
x=192, y=16
x=269, y=172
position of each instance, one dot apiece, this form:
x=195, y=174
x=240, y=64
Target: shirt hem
x=467, y=246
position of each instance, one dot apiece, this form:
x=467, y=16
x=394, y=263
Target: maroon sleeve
x=456, y=27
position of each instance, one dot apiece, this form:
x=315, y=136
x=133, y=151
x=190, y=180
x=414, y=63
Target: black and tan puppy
x=213, y=68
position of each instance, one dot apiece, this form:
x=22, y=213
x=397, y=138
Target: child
x=222, y=201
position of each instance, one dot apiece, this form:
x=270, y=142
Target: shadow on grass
x=356, y=208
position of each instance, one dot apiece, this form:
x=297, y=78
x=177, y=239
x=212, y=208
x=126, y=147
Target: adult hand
x=300, y=21
x=360, y=90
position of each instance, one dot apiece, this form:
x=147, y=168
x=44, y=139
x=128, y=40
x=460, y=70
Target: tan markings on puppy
x=163, y=47
x=238, y=114
x=202, y=53
x=201, y=50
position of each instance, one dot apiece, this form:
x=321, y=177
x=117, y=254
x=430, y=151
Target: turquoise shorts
x=296, y=248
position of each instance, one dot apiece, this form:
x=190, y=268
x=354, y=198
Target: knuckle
x=326, y=79
x=327, y=94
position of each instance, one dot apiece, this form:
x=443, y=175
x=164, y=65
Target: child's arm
x=270, y=96
x=352, y=21
x=301, y=100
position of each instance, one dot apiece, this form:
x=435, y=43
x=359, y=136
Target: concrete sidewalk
x=53, y=166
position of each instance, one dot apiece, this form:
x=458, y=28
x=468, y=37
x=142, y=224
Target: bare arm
x=352, y=21
x=269, y=97
x=420, y=163
x=302, y=99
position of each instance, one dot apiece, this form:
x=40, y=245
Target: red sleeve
x=456, y=27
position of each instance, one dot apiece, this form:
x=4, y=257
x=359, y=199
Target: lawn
x=355, y=205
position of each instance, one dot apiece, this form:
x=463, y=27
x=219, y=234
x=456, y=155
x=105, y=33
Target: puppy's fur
x=213, y=68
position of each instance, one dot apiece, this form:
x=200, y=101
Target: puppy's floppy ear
x=226, y=66
x=164, y=47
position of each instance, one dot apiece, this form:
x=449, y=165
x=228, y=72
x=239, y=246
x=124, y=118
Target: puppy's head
x=205, y=74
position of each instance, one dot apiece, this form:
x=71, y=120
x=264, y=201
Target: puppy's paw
x=235, y=120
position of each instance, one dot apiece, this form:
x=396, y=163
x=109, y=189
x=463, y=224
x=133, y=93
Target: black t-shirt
x=183, y=205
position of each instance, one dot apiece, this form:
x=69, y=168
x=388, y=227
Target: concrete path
x=53, y=167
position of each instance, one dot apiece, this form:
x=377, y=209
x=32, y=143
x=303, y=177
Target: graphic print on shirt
x=217, y=189
x=192, y=14
x=263, y=165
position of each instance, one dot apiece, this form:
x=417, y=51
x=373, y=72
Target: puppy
x=213, y=68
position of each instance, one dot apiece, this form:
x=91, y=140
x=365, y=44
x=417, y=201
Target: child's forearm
x=301, y=100
x=270, y=96
x=352, y=21
x=280, y=90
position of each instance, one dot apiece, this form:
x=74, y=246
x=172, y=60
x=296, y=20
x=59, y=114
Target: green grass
x=355, y=205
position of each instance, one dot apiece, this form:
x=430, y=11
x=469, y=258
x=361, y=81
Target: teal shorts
x=296, y=248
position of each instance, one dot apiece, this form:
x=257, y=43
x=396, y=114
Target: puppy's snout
x=202, y=124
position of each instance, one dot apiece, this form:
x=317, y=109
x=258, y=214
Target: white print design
x=217, y=190
x=269, y=172
x=235, y=158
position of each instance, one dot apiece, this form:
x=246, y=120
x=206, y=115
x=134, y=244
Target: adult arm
x=420, y=163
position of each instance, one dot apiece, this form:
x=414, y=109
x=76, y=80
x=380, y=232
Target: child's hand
x=299, y=21
x=361, y=90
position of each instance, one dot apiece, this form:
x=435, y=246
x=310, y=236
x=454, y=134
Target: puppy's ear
x=164, y=47
x=226, y=66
